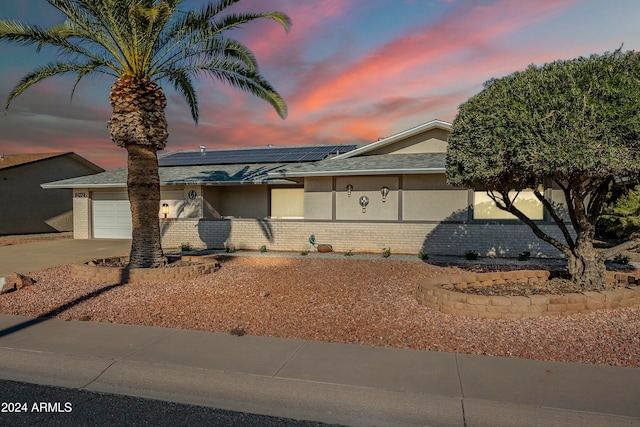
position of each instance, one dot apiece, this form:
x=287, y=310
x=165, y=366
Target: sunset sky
x=351, y=71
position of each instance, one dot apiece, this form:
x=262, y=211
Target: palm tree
x=142, y=43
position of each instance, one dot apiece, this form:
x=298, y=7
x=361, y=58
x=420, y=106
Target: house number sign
x=192, y=194
x=80, y=195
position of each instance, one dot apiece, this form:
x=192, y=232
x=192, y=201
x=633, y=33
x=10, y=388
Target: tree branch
x=522, y=217
x=556, y=218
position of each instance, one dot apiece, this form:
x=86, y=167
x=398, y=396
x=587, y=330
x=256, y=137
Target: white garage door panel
x=111, y=216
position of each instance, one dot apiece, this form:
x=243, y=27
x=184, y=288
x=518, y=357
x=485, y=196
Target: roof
x=182, y=175
x=433, y=124
x=274, y=165
x=13, y=160
x=291, y=154
x=382, y=164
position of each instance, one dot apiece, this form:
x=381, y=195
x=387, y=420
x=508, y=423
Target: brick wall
x=81, y=214
x=410, y=238
x=439, y=294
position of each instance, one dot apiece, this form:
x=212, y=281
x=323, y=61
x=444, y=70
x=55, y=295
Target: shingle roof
x=190, y=175
x=368, y=165
x=11, y=160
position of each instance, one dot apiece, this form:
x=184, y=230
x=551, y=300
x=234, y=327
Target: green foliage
x=263, y=249
x=148, y=39
x=574, y=124
x=575, y=119
x=349, y=253
x=186, y=247
x=621, y=216
x=423, y=255
x=230, y=249
x=471, y=255
x=386, y=252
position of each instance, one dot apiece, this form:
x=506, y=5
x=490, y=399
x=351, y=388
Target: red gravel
x=356, y=301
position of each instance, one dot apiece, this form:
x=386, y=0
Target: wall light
x=349, y=189
x=385, y=192
x=364, y=201
x=165, y=209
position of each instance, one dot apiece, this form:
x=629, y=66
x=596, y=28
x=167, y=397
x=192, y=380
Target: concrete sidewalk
x=334, y=383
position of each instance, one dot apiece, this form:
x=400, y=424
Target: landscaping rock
x=16, y=282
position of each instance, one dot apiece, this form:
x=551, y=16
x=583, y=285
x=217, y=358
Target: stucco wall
x=26, y=207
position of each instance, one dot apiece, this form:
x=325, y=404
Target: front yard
x=338, y=299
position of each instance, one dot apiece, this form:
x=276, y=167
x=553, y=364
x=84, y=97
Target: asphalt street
x=23, y=404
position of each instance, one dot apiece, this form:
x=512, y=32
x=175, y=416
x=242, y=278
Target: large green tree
x=143, y=43
x=574, y=124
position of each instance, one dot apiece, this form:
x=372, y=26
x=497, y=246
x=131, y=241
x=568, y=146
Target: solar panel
x=254, y=155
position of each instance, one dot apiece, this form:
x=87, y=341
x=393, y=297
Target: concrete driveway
x=38, y=255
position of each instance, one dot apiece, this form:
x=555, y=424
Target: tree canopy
x=571, y=123
x=152, y=39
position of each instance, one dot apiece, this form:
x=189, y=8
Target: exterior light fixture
x=385, y=192
x=203, y=150
x=349, y=189
x=165, y=209
x=364, y=201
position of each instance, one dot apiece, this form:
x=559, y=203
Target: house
x=26, y=207
x=391, y=193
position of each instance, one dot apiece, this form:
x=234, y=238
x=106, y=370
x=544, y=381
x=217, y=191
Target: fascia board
x=360, y=172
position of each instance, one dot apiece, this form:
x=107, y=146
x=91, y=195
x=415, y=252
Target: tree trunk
x=138, y=124
x=586, y=267
x=143, y=186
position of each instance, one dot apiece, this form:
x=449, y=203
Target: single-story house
x=26, y=208
x=391, y=193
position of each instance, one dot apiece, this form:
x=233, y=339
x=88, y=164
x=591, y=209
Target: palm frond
x=52, y=70
x=184, y=85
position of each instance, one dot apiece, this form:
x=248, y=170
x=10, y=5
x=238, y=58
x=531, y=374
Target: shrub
x=524, y=256
x=186, y=247
x=386, y=252
x=230, y=249
x=263, y=248
x=621, y=259
x=471, y=255
x=239, y=332
x=423, y=256
x=349, y=253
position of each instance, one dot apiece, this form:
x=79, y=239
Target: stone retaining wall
x=439, y=293
x=205, y=265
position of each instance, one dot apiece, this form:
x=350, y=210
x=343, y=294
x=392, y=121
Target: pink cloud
x=468, y=28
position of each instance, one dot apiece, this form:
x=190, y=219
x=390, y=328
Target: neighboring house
x=388, y=194
x=27, y=208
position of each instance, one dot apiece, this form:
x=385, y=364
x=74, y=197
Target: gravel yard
x=360, y=301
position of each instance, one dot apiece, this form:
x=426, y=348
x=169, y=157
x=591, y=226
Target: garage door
x=111, y=215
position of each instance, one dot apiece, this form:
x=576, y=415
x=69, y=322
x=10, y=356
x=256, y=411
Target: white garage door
x=111, y=215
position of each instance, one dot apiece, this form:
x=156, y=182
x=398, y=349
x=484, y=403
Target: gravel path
x=360, y=301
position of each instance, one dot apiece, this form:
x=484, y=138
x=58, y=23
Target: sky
x=351, y=71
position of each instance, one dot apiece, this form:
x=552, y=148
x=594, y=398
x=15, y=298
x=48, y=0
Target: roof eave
x=359, y=172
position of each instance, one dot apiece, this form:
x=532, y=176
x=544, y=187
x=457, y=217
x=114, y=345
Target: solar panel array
x=254, y=155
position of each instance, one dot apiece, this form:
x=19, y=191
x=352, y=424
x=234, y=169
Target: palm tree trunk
x=143, y=186
x=138, y=124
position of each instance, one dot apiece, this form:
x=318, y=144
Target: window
x=526, y=201
x=287, y=202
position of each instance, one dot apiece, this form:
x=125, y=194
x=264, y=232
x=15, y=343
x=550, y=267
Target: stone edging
x=438, y=293
x=207, y=264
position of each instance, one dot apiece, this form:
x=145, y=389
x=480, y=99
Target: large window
x=526, y=201
x=287, y=202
